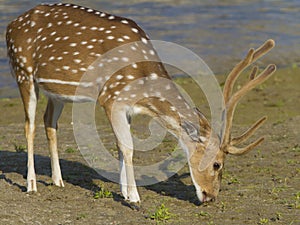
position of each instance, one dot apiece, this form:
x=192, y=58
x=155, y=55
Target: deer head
x=207, y=145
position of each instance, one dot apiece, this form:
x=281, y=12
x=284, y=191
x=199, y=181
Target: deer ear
x=203, y=121
x=191, y=130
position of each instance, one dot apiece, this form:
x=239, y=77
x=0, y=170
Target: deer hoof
x=58, y=183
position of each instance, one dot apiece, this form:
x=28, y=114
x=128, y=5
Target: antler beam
x=231, y=100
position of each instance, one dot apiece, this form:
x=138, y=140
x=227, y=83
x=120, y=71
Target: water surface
x=219, y=31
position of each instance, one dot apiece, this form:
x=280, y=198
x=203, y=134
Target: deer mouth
x=205, y=197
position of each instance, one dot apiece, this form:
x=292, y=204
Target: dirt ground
x=261, y=187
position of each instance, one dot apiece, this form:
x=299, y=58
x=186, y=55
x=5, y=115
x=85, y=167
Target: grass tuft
x=161, y=214
x=103, y=193
x=70, y=150
x=263, y=221
x=20, y=148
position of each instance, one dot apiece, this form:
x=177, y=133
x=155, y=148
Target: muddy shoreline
x=259, y=188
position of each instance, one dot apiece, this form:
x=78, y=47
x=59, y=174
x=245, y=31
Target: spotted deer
x=52, y=46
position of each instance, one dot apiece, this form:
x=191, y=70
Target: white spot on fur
x=130, y=77
x=153, y=76
x=125, y=59
x=135, y=30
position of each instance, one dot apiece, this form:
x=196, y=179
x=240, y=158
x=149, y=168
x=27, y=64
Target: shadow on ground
x=81, y=175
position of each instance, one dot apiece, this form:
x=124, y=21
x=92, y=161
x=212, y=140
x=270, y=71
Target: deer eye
x=217, y=166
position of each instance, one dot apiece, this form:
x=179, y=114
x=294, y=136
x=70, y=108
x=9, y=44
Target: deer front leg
x=121, y=127
x=53, y=111
x=123, y=177
x=127, y=180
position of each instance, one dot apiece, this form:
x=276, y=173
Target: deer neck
x=170, y=112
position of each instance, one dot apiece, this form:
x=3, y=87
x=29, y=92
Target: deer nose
x=208, y=197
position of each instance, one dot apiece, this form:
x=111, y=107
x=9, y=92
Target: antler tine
x=231, y=104
x=240, y=151
x=240, y=139
x=250, y=58
x=264, y=49
x=249, y=86
x=253, y=73
x=233, y=75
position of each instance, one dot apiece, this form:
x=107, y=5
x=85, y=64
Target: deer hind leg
x=52, y=114
x=29, y=95
x=121, y=127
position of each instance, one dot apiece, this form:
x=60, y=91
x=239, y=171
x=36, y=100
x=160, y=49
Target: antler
x=231, y=100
